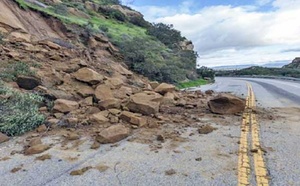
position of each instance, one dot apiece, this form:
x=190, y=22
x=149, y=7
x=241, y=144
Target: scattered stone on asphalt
x=206, y=129
x=36, y=149
x=16, y=169
x=43, y=157
x=102, y=168
x=170, y=172
x=80, y=171
x=95, y=145
x=113, y=134
x=198, y=159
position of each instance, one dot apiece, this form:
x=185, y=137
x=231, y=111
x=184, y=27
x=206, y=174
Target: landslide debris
x=86, y=88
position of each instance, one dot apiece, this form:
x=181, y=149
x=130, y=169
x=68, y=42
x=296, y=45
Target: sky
x=231, y=32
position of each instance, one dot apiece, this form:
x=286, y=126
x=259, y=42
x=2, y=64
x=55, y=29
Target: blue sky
x=231, y=32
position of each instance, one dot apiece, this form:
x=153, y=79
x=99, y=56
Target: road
x=281, y=132
x=192, y=159
x=269, y=93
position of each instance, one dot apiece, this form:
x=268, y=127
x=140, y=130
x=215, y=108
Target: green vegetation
x=18, y=111
x=152, y=50
x=12, y=70
x=206, y=73
x=194, y=83
x=261, y=71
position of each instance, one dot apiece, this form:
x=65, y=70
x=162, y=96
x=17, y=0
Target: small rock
x=160, y=138
x=170, y=172
x=95, y=145
x=113, y=134
x=103, y=92
x=80, y=171
x=102, y=168
x=109, y=104
x=98, y=118
x=88, y=75
x=71, y=136
x=146, y=102
x=36, y=149
x=3, y=138
x=206, y=129
x=35, y=141
x=41, y=128
x=43, y=157
x=133, y=118
x=164, y=88
x=28, y=83
x=198, y=159
x=65, y=106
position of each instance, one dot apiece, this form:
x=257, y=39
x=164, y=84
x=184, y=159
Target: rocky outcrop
x=226, y=104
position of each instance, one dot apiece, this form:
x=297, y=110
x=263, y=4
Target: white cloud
x=230, y=35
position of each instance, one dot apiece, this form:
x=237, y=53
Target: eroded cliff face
x=26, y=25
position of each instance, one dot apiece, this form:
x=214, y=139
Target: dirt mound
x=226, y=104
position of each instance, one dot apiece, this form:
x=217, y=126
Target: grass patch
x=194, y=83
x=15, y=69
x=19, y=111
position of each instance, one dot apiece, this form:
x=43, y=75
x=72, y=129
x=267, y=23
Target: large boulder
x=226, y=104
x=146, y=102
x=103, y=92
x=113, y=134
x=65, y=106
x=3, y=138
x=88, y=75
x=164, y=88
x=27, y=82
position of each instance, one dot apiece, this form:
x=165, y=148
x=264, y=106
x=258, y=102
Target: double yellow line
x=249, y=127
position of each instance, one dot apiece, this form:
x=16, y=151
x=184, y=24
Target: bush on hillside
x=155, y=61
x=206, y=72
x=166, y=34
x=19, y=111
x=15, y=69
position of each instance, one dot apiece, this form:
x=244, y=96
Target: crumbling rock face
x=226, y=104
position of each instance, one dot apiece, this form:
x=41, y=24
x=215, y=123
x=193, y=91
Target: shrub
x=19, y=113
x=15, y=69
x=206, y=72
x=166, y=34
x=61, y=9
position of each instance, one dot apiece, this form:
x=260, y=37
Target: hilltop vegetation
x=157, y=51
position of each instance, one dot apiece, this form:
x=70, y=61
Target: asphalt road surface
x=269, y=93
x=279, y=100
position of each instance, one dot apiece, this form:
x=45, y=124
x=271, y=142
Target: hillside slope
x=295, y=64
x=76, y=77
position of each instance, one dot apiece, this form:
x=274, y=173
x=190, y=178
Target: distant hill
x=295, y=64
x=273, y=64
